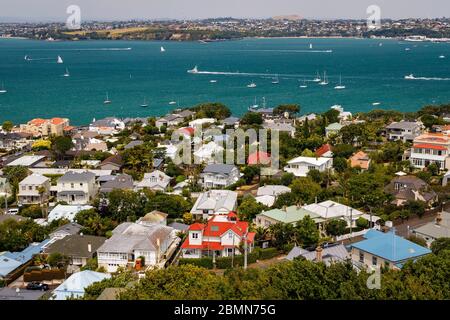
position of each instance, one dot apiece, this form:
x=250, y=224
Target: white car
x=13, y=211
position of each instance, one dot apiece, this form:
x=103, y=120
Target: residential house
x=287, y=215
x=130, y=241
x=343, y=115
x=210, y=152
x=406, y=188
x=157, y=181
x=440, y=228
x=231, y=122
x=333, y=129
x=380, y=250
x=360, y=160
x=324, y=151
x=15, y=141
x=68, y=229
x=113, y=163
x=133, y=144
x=309, y=117
x=267, y=195
x=216, y=176
x=214, y=202
x=328, y=255
x=154, y=217
x=198, y=123
x=280, y=127
x=329, y=210
x=403, y=130
x=221, y=236
x=302, y=165
x=77, y=188
x=76, y=284
x=66, y=212
x=45, y=127
x=34, y=189
x=78, y=248
x=446, y=179
x=259, y=158
x=26, y=161
x=107, y=126
x=171, y=120
x=120, y=182
x=431, y=148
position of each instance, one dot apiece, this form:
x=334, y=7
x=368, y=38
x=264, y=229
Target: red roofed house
x=221, y=236
x=45, y=127
x=259, y=157
x=187, y=132
x=324, y=151
x=431, y=148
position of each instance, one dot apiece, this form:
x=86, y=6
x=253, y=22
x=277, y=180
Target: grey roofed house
x=186, y=113
x=120, y=182
x=72, y=176
x=179, y=226
x=219, y=168
x=215, y=202
x=157, y=163
x=231, y=121
x=403, y=125
x=133, y=144
x=66, y=230
x=129, y=236
x=23, y=294
x=283, y=127
x=156, y=180
x=409, y=187
x=440, y=228
x=154, y=217
x=76, y=246
x=272, y=190
x=331, y=254
x=108, y=122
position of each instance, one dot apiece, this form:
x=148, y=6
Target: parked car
x=13, y=211
x=37, y=286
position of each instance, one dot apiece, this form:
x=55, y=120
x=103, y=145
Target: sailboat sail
x=60, y=60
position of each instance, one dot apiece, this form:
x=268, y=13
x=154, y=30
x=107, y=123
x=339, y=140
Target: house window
x=230, y=235
x=195, y=236
x=361, y=257
x=374, y=261
x=30, y=188
x=72, y=185
x=81, y=184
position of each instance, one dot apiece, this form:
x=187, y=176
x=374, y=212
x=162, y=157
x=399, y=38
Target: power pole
x=245, y=251
x=351, y=224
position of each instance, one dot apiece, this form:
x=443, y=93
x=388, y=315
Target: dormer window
x=194, y=235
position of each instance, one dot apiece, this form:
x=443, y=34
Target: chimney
x=89, y=247
x=439, y=219
x=284, y=208
x=319, y=254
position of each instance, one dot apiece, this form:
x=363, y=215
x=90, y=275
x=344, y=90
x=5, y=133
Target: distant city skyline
x=55, y=10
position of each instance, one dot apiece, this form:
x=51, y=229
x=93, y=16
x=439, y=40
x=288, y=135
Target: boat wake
x=290, y=51
x=87, y=49
x=411, y=77
x=247, y=74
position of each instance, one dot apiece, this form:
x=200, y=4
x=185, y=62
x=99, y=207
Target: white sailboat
x=276, y=80
x=162, y=49
x=145, y=104
x=340, y=86
x=325, y=79
x=107, y=101
x=172, y=103
x=195, y=70
x=410, y=77
x=310, y=46
x=3, y=90
x=441, y=57
x=317, y=78
x=304, y=84
x=254, y=106
x=213, y=81
x=67, y=74
x=60, y=60
x=251, y=85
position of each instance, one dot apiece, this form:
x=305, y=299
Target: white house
x=77, y=188
x=67, y=212
x=215, y=202
x=302, y=165
x=34, y=189
x=75, y=285
x=130, y=241
x=201, y=122
x=267, y=195
x=219, y=176
x=107, y=126
x=156, y=180
x=403, y=130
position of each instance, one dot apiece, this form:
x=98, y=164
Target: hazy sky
x=33, y=10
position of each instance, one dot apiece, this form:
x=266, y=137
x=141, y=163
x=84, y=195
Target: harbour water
x=131, y=71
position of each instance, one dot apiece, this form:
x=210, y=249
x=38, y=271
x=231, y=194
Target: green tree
x=7, y=126
x=340, y=164
x=305, y=190
x=249, y=208
x=440, y=245
x=252, y=118
x=61, y=145
x=307, y=232
x=336, y=227
x=292, y=109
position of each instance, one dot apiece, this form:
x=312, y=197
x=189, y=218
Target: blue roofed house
x=75, y=285
x=385, y=250
x=11, y=261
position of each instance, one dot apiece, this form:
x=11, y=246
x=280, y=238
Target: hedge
x=43, y=275
x=268, y=253
x=205, y=262
x=238, y=260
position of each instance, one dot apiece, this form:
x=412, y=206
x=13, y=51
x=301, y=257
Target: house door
x=72, y=197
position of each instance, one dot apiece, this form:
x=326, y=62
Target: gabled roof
x=390, y=246
x=291, y=214
x=72, y=176
x=115, y=159
x=259, y=157
x=35, y=179
x=310, y=160
x=323, y=149
x=77, y=282
x=219, y=168
x=76, y=245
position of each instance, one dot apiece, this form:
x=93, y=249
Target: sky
x=43, y=10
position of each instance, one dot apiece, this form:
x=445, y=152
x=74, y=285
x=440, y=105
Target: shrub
x=238, y=260
x=269, y=253
x=205, y=262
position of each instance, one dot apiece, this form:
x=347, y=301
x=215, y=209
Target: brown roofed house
x=113, y=163
x=360, y=159
x=410, y=188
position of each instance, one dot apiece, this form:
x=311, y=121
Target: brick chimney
x=319, y=254
x=439, y=219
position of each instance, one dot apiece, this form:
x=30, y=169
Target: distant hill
x=291, y=17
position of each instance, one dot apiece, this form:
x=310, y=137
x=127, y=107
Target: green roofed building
x=291, y=214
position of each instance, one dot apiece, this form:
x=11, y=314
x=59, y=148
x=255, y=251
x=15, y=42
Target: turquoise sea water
x=371, y=73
